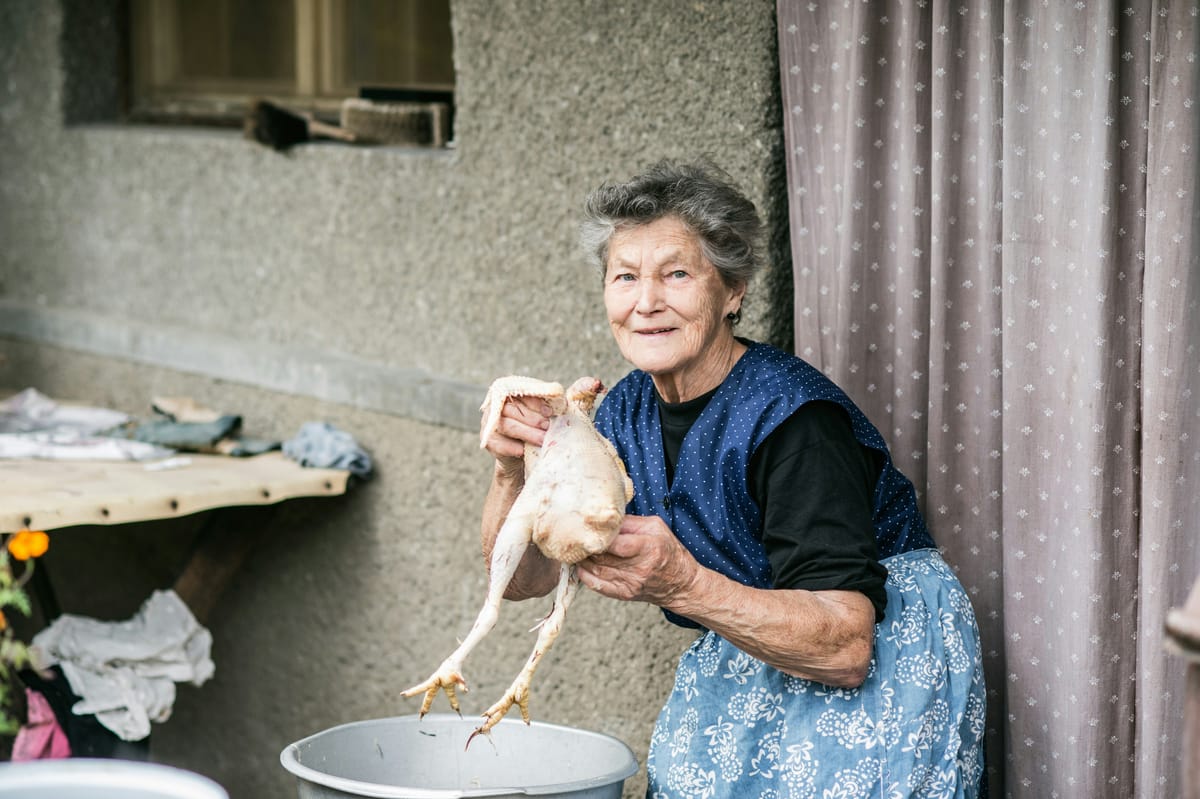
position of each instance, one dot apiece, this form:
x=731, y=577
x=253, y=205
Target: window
x=206, y=60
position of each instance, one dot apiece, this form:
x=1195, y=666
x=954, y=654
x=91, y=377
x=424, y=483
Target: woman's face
x=667, y=306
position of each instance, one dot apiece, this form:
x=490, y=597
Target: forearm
x=537, y=575
x=819, y=635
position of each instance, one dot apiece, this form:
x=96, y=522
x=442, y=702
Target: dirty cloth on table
x=217, y=437
x=322, y=445
x=184, y=425
x=32, y=410
x=125, y=672
x=34, y=426
x=71, y=445
x=185, y=435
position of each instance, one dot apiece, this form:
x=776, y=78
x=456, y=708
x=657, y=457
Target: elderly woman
x=839, y=653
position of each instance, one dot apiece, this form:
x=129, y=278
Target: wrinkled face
x=666, y=303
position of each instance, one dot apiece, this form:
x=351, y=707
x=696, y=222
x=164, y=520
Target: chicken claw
x=443, y=679
x=499, y=710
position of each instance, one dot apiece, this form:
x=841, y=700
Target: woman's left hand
x=815, y=635
x=644, y=563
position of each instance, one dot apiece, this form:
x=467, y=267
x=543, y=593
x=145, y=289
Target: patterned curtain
x=995, y=240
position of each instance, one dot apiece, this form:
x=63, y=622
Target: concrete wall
x=380, y=289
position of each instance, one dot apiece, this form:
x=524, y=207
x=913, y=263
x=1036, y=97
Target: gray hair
x=700, y=194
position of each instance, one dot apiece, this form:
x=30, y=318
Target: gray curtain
x=995, y=246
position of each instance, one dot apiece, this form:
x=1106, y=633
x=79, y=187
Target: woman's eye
x=679, y=274
x=623, y=277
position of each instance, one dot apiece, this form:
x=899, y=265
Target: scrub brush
x=375, y=122
x=280, y=128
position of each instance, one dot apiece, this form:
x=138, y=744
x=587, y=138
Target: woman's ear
x=733, y=305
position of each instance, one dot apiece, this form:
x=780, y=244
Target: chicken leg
x=548, y=630
x=511, y=543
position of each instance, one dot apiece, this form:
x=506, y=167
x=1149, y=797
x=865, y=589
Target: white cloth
x=32, y=410
x=70, y=445
x=125, y=672
x=34, y=426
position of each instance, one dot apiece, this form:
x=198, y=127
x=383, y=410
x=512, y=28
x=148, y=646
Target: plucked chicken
x=570, y=507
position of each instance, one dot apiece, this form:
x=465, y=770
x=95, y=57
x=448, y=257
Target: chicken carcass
x=570, y=507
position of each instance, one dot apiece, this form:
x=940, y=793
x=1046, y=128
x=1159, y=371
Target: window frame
x=318, y=85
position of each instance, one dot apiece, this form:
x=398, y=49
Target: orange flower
x=28, y=544
x=3, y=620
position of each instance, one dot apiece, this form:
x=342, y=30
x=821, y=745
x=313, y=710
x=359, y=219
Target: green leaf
x=15, y=598
x=13, y=653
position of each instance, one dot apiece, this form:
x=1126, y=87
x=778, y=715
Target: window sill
x=207, y=134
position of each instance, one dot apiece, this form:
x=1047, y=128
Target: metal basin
x=410, y=758
x=81, y=778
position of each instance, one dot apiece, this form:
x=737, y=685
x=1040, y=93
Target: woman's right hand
x=523, y=420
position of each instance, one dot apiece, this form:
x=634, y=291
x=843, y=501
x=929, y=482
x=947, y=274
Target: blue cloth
x=708, y=505
x=322, y=445
x=736, y=727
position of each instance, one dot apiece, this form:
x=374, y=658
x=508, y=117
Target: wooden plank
x=47, y=495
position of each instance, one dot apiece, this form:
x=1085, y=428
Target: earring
x=734, y=316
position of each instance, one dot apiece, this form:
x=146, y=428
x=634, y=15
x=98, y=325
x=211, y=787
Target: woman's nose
x=649, y=296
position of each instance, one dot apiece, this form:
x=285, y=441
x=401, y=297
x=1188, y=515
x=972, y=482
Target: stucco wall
x=381, y=289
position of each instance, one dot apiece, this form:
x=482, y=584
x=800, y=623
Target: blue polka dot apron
x=735, y=727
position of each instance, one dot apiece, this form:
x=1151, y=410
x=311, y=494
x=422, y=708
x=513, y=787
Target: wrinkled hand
x=523, y=420
x=644, y=563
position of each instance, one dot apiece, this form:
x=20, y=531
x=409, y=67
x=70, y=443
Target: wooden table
x=53, y=494
x=47, y=495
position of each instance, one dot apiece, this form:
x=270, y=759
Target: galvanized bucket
x=411, y=758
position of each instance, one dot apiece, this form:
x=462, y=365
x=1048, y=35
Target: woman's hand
x=817, y=635
x=523, y=420
x=644, y=563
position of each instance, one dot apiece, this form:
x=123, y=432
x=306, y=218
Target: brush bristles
x=395, y=123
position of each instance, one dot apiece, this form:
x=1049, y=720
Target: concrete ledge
x=325, y=375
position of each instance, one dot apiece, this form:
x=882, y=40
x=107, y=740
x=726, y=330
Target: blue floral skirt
x=736, y=727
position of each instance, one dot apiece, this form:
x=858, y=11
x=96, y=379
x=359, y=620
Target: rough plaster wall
x=433, y=260
x=459, y=263
x=343, y=602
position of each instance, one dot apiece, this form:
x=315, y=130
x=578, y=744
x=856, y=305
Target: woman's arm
x=522, y=421
x=819, y=635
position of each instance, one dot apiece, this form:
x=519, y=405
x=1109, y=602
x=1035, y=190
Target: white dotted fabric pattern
x=995, y=247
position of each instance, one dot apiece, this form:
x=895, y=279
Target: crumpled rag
x=322, y=445
x=34, y=426
x=32, y=410
x=125, y=672
x=71, y=445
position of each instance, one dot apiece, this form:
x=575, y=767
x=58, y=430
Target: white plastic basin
x=411, y=758
x=82, y=778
